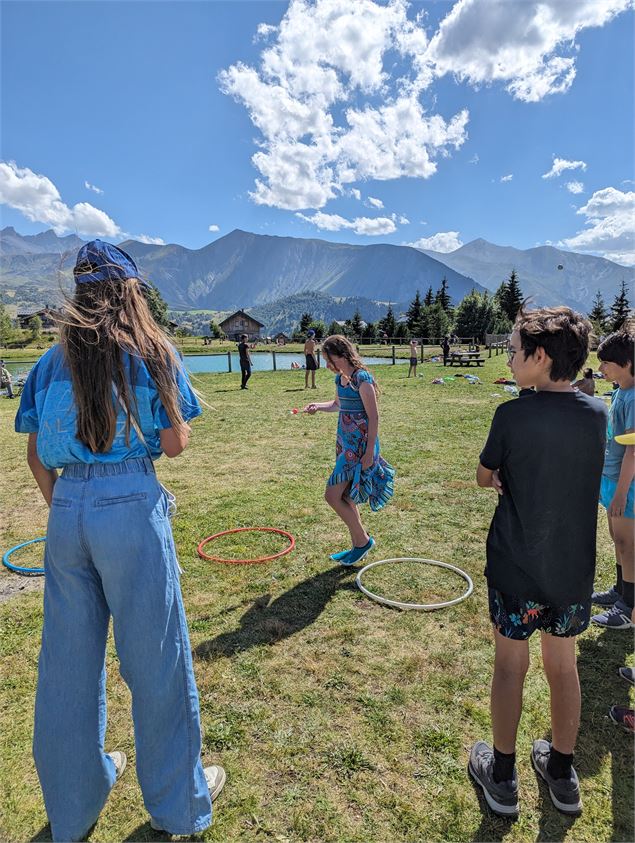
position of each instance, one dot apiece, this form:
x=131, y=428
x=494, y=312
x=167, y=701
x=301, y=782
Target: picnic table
x=465, y=358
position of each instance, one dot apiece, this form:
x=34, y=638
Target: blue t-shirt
x=621, y=419
x=349, y=397
x=47, y=407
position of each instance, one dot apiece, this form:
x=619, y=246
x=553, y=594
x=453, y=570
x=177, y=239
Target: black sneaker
x=606, y=598
x=502, y=797
x=627, y=673
x=565, y=793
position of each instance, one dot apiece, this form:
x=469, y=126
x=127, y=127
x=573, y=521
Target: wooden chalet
x=241, y=323
x=48, y=317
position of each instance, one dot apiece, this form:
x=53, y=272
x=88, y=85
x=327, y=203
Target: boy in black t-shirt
x=544, y=457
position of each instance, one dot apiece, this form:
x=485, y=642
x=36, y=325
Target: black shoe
x=565, y=793
x=502, y=797
x=606, y=598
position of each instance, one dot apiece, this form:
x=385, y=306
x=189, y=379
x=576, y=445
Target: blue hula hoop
x=16, y=568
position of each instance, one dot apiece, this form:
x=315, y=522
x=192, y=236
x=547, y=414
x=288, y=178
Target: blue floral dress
x=376, y=484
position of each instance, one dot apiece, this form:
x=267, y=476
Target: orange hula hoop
x=255, y=561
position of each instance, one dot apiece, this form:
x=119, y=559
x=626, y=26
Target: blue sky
x=396, y=123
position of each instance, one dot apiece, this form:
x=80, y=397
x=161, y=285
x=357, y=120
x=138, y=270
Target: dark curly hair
x=564, y=335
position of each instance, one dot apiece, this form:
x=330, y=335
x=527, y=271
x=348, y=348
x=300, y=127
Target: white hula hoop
x=425, y=607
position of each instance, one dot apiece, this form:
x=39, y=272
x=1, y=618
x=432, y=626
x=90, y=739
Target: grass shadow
x=492, y=827
x=43, y=834
x=268, y=623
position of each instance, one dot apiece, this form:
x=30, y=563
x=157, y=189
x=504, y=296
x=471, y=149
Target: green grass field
x=336, y=719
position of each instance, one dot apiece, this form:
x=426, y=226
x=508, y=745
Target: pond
x=262, y=361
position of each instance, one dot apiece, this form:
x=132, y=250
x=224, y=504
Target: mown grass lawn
x=336, y=719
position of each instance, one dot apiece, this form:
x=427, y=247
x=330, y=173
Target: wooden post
x=393, y=355
x=229, y=361
x=490, y=351
x=273, y=354
x=421, y=343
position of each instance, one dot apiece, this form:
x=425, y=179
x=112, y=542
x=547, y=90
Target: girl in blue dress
x=360, y=473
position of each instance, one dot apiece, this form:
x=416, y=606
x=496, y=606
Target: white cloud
x=375, y=203
x=92, y=187
x=144, y=238
x=474, y=159
x=36, y=197
x=560, y=165
x=335, y=92
x=355, y=193
x=528, y=45
x=443, y=241
x=329, y=112
x=214, y=228
x=610, y=220
x=404, y=220
x=263, y=31
x=360, y=225
x=575, y=187
x=508, y=177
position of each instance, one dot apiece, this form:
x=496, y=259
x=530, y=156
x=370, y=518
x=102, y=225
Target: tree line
x=477, y=314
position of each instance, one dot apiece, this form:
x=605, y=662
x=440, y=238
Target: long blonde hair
x=102, y=321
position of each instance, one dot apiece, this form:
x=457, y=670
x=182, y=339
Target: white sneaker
x=215, y=777
x=119, y=760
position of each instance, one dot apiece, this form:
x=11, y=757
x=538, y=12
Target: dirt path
x=13, y=585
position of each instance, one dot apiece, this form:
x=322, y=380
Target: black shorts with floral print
x=515, y=617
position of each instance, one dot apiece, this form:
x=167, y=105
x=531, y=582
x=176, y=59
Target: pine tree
x=599, y=314
x=443, y=297
x=388, y=324
x=429, y=299
x=334, y=328
x=356, y=324
x=620, y=309
x=510, y=296
x=305, y=321
x=414, y=313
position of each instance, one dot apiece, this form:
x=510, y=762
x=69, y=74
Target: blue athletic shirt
x=47, y=407
x=621, y=419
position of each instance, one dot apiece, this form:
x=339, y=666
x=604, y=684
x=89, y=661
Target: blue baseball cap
x=101, y=261
x=310, y=332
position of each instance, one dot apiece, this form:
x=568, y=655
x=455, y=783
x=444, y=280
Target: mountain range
x=246, y=270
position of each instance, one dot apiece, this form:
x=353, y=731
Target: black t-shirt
x=243, y=351
x=549, y=447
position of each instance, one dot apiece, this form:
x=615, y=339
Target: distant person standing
x=245, y=360
x=413, y=359
x=310, y=358
x=445, y=348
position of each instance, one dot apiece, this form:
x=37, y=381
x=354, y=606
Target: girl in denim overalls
x=101, y=406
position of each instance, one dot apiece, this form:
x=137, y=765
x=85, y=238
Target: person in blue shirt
x=360, y=474
x=101, y=407
x=617, y=491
